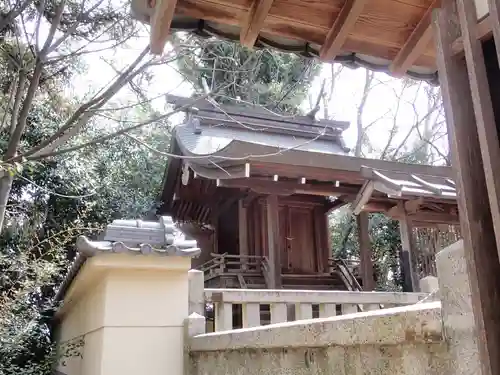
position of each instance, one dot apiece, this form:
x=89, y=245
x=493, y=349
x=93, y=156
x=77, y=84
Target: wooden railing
x=266, y=271
x=304, y=303
x=229, y=263
x=346, y=270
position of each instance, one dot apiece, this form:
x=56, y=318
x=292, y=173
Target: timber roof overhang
x=392, y=36
x=228, y=150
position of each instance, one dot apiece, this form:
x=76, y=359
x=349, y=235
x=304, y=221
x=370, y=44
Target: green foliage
x=30, y=269
x=385, y=246
x=54, y=201
x=279, y=81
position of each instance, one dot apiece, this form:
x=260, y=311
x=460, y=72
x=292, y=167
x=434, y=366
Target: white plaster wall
x=82, y=325
x=130, y=311
x=151, y=298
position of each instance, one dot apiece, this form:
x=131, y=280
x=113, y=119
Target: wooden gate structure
x=447, y=41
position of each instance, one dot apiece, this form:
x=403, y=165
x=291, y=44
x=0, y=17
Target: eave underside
x=391, y=36
x=427, y=200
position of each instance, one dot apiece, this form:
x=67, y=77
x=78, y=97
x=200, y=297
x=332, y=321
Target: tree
x=278, y=81
x=55, y=201
x=414, y=126
x=35, y=68
x=59, y=181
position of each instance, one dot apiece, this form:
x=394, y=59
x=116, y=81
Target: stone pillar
x=196, y=292
x=429, y=284
x=130, y=311
x=458, y=319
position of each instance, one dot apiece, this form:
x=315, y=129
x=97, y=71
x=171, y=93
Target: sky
x=381, y=105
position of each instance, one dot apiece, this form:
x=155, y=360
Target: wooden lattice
x=428, y=242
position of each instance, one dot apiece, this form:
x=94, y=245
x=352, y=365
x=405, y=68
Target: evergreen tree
x=278, y=81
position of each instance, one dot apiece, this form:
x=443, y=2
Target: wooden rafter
x=160, y=24
x=339, y=32
x=287, y=188
x=416, y=44
x=253, y=24
x=363, y=197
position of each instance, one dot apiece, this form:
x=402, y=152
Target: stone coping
x=408, y=324
x=264, y=296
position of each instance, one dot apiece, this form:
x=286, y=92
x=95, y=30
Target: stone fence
x=145, y=313
x=264, y=306
x=431, y=335
x=399, y=341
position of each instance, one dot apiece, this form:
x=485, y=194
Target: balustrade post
x=278, y=313
x=251, y=315
x=223, y=316
x=196, y=292
x=349, y=308
x=327, y=309
x=429, y=284
x=222, y=263
x=303, y=311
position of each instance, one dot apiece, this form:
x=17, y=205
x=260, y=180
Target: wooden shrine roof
x=228, y=149
x=386, y=35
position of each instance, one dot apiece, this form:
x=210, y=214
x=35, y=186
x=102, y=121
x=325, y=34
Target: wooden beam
x=398, y=212
x=341, y=28
x=273, y=241
x=160, y=24
x=475, y=216
x=265, y=186
x=483, y=32
x=243, y=231
x=416, y=44
x=362, y=198
x=339, y=202
x=254, y=22
x=377, y=206
x=483, y=109
x=365, y=252
x=414, y=205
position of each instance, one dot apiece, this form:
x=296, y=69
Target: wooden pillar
x=273, y=240
x=321, y=248
x=480, y=245
x=214, y=216
x=243, y=232
x=410, y=284
x=365, y=251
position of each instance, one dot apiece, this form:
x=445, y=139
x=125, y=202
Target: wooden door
x=302, y=253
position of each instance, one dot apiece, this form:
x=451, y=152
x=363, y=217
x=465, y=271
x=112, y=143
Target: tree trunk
x=5, y=186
